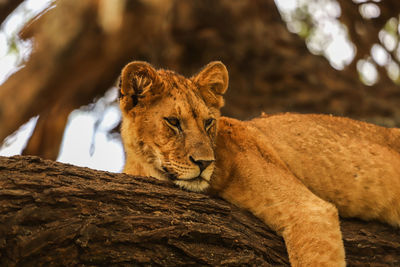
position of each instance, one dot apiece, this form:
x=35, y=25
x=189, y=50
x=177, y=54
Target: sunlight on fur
x=295, y=172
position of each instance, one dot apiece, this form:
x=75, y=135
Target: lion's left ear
x=213, y=82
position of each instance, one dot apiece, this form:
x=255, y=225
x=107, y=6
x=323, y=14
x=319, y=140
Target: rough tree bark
x=58, y=214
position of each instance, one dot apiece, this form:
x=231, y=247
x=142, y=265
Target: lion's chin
x=197, y=184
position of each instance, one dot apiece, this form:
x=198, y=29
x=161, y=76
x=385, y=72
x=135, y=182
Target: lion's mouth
x=194, y=179
x=169, y=175
x=173, y=177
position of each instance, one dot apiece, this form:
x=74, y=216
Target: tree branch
x=54, y=213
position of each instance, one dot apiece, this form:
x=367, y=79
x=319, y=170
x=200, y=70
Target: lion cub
x=295, y=172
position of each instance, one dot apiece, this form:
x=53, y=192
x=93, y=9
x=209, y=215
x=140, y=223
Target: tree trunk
x=57, y=214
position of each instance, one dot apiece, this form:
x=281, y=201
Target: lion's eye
x=173, y=122
x=208, y=123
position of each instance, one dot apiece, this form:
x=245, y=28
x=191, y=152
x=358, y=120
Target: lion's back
x=347, y=162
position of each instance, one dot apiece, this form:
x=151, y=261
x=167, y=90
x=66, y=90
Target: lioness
x=294, y=172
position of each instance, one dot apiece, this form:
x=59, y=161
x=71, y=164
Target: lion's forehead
x=174, y=80
x=184, y=96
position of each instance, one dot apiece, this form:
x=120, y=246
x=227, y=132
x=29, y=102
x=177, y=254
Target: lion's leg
x=314, y=238
x=308, y=224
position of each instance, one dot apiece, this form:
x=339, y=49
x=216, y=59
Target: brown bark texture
x=76, y=58
x=58, y=214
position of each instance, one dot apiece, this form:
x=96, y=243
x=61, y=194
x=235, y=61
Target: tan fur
x=293, y=171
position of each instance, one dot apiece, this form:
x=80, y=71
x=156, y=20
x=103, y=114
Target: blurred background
x=60, y=60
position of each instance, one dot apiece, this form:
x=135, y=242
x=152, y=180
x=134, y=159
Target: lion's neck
x=134, y=162
x=136, y=165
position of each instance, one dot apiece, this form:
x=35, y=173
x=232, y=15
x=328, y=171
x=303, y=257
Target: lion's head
x=170, y=122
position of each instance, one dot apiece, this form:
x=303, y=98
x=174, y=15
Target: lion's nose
x=203, y=164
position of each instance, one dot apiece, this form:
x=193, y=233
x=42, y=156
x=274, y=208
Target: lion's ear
x=213, y=83
x=137, y=78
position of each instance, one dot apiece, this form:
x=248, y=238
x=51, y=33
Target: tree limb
x=54, y=213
